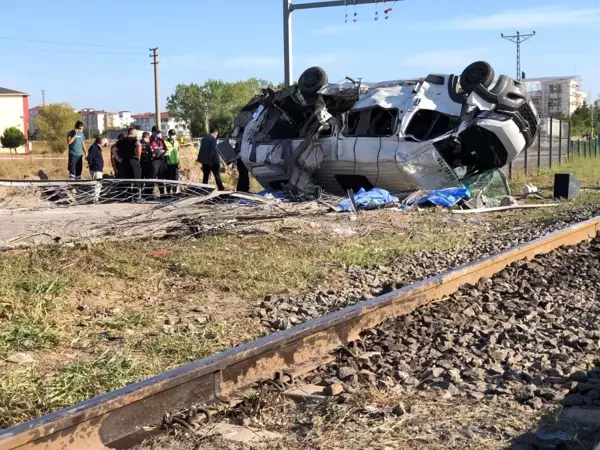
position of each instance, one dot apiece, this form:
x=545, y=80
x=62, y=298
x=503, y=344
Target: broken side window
x=428, y=124
x=371, y=122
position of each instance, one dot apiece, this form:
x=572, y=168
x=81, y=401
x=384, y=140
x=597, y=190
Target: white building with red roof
x=14, y=112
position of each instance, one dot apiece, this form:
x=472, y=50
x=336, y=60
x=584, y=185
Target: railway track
x=118, y=419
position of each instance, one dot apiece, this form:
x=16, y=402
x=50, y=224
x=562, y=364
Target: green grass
x=180, y=348
x=257, y=267
x=84, y=379
x=19, y=337
x=124, y=321
x=25, y=394
x=587, y=170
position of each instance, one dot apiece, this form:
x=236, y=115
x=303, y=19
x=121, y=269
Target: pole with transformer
x=518, y=39
x=154, y=62
x=289, y=7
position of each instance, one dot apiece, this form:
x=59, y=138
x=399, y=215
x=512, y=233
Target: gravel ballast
x=279, y=312
x=525, y=340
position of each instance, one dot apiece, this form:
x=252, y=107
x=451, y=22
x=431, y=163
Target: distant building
x=33, y=112
x=122, y=120
x=553, y=95
x=14, y=112
x=146, y=121
x=94, y=120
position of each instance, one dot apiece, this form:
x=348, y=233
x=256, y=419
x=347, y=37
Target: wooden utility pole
x=154, y=62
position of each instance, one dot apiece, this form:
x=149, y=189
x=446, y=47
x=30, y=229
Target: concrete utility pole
x=288, y=8
x=518, y=39
x=154, y=62
x=43, y=97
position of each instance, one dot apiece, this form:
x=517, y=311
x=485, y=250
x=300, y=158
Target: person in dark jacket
x=96, y=160
x=243, y=184
x=147, y=163
x=96, y=165
x=208, y=156
x=159, y=150
x=115, y=159
x=129, y=150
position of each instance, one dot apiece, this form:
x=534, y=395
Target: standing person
x=243, y=184
x=158, y=154
x=75, y=139
x=172, y=160
x=208, y=156
x=147, y=164
x=96, y=165
x=130, y=151
x=115, y=159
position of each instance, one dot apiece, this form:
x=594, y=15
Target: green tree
x=12, y=138
x=213, y=104
x=54, y=122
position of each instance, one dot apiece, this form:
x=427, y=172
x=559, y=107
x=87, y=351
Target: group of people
x=150, y=157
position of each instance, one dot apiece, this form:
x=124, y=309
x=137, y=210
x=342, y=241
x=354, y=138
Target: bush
x=12, y=138
x=54, y=122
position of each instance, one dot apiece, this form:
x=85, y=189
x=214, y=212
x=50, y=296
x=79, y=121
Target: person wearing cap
x=172, y=160
x=208, y=156
x=159, y=150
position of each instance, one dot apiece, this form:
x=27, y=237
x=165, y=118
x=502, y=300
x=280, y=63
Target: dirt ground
x=80, y=320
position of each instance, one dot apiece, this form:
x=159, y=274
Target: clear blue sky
x=237, y=39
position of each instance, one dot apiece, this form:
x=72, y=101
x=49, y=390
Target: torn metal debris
x=432, y=133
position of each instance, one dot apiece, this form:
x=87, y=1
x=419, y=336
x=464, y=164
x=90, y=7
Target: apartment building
x=553, y=95
x=94, y=120
x=146, y=121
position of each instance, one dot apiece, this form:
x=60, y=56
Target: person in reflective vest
x=172, y=160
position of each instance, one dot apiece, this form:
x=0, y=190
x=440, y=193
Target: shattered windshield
x=492, y=184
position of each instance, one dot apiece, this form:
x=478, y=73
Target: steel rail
x=112, y=420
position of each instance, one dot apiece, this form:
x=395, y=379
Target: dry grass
x=429, y=422
x=77, y=308
x=55, y=166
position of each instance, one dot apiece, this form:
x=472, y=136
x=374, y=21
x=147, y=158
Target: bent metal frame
x=289, y=7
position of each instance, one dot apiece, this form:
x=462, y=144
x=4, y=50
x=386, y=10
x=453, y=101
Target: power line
x=73, y=44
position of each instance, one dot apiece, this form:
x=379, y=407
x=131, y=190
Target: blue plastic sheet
x=445, y=197
x=373, y=199
x=275, y=194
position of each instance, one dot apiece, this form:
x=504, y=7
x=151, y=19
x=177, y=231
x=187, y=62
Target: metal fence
x=550, y=148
